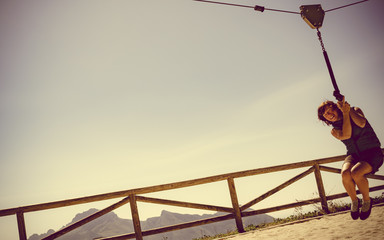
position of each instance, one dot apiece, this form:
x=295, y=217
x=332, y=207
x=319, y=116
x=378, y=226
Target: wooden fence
x=236, y=212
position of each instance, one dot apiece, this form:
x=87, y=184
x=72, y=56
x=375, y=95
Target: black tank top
x=361, y=139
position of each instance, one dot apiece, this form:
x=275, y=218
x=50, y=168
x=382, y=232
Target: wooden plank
x=374, y=176
x=87, y=219
x=135, y=217
x=278, y=188
x=235, y=204
x=183, y=204
x=172, y=228
x=330, y=169
x=341, y=195
x=58, y=204
x=189, y=224
x=281, y=207
x=21, y=225
x=337, y=170
x=320, y=187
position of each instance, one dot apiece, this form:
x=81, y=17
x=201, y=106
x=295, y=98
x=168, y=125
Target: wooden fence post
x=21, y=225
x=235, y=204
x=320, y=187
x=135, y=217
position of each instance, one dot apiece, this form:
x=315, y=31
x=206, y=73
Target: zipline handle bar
x=336, y=92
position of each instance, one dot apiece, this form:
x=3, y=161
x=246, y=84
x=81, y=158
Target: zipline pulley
x=313, y=15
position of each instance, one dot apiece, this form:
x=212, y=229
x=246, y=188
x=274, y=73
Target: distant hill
x=111, y=225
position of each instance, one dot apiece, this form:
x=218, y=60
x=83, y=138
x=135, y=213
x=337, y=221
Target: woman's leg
x=358, y=172
x=348, y=182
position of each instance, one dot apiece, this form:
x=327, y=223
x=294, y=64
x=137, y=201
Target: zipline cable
x=222, y=3
x=261, y=8
x=256, y=7
x=329, y=10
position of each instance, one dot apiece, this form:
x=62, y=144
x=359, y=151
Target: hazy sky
x=101, y=96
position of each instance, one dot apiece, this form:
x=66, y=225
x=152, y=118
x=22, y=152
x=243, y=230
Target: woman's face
x=331, y=114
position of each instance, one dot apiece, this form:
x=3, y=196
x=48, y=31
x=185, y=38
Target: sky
x=103, y=96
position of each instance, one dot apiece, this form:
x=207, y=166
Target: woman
x=364, y=154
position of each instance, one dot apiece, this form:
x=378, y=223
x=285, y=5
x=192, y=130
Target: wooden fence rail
x=237, y=212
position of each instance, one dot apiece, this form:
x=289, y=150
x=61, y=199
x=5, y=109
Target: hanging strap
x=336, y=92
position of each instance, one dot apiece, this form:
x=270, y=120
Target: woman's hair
x=321, y=109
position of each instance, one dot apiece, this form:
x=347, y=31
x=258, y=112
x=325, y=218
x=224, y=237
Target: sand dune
x=334, y=226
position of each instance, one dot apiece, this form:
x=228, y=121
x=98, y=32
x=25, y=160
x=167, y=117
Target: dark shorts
x=373, y=156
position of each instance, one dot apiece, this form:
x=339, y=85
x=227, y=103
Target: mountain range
x=111, y=225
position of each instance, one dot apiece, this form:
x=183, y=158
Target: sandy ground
x=338, y=226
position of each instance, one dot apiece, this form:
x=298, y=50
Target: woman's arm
x=346, y=131
x=358, y=117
